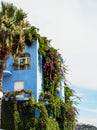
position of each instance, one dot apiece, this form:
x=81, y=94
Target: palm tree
x=15, y=31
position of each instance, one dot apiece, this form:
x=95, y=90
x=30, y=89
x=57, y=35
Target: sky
x=72, y=27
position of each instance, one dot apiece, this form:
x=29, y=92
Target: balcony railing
x=20, y=95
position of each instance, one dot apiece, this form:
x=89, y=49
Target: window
x=18, y=85
x=22, y=62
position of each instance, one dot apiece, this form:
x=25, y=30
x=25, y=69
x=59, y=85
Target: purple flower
x=69, y=113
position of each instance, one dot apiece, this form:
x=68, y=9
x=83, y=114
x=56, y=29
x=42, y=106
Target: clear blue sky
x=72, y=26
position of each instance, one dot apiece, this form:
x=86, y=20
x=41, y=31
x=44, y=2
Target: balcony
x=22, y=96
x=7, y=73
x=6, y=70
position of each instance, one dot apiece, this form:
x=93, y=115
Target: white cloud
x=80, y=94
x=92, y=110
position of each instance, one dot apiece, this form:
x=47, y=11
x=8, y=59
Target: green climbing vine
x=21, y=115
x=71, y=111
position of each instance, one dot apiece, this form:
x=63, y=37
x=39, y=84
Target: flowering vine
x=52, y=70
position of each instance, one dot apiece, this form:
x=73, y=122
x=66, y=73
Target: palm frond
x=19, y=15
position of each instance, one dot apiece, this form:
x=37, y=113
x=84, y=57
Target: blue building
x=25, y=72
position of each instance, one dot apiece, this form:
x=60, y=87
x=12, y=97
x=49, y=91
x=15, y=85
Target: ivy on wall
x=53, y=113
x=20, y=115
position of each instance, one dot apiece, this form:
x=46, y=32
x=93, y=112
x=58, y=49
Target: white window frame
x=19, y=63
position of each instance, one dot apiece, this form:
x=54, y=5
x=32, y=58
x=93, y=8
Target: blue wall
x=32, y=78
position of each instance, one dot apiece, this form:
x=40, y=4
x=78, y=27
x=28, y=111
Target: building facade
x=25, y=72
